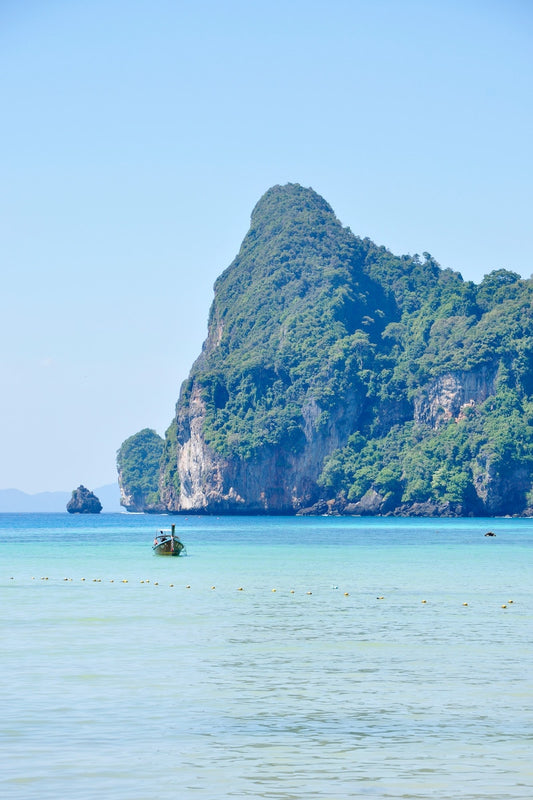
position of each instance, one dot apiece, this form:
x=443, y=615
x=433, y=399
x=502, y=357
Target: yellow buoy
x=424, y=601
x=465, y=604
x=504, y=606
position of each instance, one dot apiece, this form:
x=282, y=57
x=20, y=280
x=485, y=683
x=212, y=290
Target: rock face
x=449, y=396
x=337, y=378
x=278, y=481
x=83, y=502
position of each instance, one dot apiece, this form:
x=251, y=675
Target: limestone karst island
x=83, y=501
x=339, y=378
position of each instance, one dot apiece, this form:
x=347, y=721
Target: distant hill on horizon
x=14, y=501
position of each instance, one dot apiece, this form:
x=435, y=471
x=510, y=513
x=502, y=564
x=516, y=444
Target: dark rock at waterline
x=83, y=501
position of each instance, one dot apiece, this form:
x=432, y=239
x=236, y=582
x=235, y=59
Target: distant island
x=83, y=501
x=14, y=501
x=339, y=378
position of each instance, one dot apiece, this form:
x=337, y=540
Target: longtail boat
x=167, y=543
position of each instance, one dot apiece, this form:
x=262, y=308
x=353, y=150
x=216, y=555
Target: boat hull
x=168, y=548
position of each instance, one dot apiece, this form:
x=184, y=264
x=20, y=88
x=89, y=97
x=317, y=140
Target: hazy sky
x=137, y=135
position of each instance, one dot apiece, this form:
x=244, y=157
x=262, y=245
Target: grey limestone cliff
x=277, y=481
x=447, y=397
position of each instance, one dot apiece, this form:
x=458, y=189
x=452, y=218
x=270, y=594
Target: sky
x=138, y=135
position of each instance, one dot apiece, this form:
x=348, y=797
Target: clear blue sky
x=137, y=135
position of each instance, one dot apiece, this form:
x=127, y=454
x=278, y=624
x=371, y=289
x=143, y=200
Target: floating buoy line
x=213, y=587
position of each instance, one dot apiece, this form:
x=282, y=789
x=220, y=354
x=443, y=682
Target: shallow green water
x=134, y=677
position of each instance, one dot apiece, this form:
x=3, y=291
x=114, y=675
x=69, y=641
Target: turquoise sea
x=283, y=658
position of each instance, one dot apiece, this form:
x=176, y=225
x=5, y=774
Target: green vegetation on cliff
x=138, y=464
x=481, y=457
x=414, y=463
x=295, y=317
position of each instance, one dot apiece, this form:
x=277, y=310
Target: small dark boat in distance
x=167, y=543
